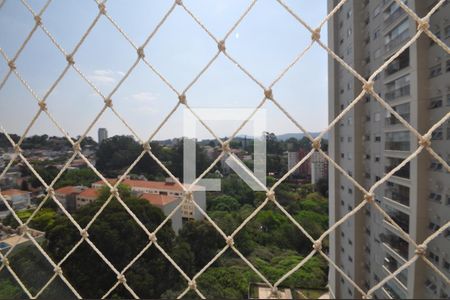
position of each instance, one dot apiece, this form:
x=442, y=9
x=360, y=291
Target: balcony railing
x=397, y=41
x=396, y=243
x=397, y=14
x=399, y=92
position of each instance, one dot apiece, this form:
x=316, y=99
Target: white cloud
x=144, y=97
x=105, y=76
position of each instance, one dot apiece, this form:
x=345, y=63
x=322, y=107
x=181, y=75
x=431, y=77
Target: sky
x=265, y=43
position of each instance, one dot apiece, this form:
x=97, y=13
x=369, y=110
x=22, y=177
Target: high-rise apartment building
x=369, y=142
x=102, y=134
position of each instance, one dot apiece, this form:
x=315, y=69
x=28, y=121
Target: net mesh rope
x=180, y=99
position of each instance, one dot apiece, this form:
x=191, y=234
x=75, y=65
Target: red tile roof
x=157, y=199
x=68, y=190
x=13, y=192
x=157, y=185
x=89, y=193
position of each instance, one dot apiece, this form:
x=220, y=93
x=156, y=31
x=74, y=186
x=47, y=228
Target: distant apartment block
x=102, y=135
x=369, y=142
x=17, y=199
x=319, y=167
x=314, y=168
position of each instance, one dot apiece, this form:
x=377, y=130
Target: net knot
x=274, y=292
x=38, y=20
x=315, y=36
x=369, y=198
x=271, y=195
x=17, y=149
x=425, y=141
x=188, y=196
x=102, y=8
x=423, y=24
x=230, y=241
x=114, y=192
x=42, y=105
x=77, y=147
x=58, y=270
x=152, y=237
x=182, y=99
x=179, y=2
x=5, y=261
x=421, y=250
x=226, y=147
x=50, y=191
x=147, y=147
x=268, y=94
x=221, y=46
x=121, y=278
x=84, y=234
x=69, y=58
x=317, y=245
x=23, y=228
x=368, y=296
x=12, y=65
x=140, y=52
x=108, y=102
x=368, y=87
x=192, y=285
x=316, y=144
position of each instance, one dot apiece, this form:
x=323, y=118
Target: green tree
x=120, y=239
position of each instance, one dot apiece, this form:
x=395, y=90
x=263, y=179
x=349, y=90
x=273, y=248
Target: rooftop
x=158, y=200
x=69, y=190
x=157, y=185
x=14, y=192
x=89, y=193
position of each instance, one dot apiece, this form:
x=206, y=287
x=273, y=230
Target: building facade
x=172, y=195
x=102, y=134
x=319, y=167
x=369, y=142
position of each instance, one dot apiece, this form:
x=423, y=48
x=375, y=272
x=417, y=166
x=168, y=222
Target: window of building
x=397, y=35
x=435, y=70
x=446, y=265
x=377, y=53
x=349, y=139
x=434, y=257
x=398, y=88
x=438, y=134
x=376, y=34
x=377, y=138
x=447, y=66
x=401, y=62
x=376, y=11
x=435, y=102
x=377, y=117
x=398, y=141
x=437, y=33
x=349, y=13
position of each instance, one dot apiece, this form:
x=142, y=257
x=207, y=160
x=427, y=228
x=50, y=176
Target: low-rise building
x=68, y=196
x=86, y=197
x=172, y=190
x=18, y=199
x=167, y=204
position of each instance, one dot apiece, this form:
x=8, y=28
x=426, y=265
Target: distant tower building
x=102, y=135
x=319, y=167
x=292, y=158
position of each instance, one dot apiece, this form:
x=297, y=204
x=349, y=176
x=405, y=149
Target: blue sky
x=264, y=43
